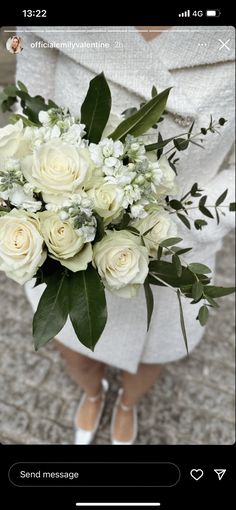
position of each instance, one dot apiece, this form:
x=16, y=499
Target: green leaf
x=211, y=301
x=96, y=108
x=154, y=91
x=52, y=310
x=159, y=149
x=221, y=198
x=133, y=230
x=149, y=302
x=124, y=222
x=150, y=229
x=199, y=224
x=190, y=129
x=203, y=315
x=197, y=268
x=141, y=121
x=217, y=217
x=194, y=192
x=10, y=91
x=181, y=251
x=168, y=273
x=128, y=112
x=100, y=231
x=222, y=121
x=184, y=220
x=182, y=323
x=216, y=292
x=33, y=105
x=7, y=104
x=177, y=263
x=87, y=306
x=197, y=291
x=232, y=206
x=14, y=117
x=176, y=204
x=204, y=209
x=21, y=86
x=181, y=144
x=170, y=241
x=159, y=252
x=158, y=145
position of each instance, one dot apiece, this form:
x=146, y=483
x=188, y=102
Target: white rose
x=64, y=243
x=122, y=262
x=21, y=245
x=107, y=200
x=10, y=138
x=162, y=228
x=57, y=169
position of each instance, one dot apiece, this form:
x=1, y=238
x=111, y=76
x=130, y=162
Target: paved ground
x=193, y=403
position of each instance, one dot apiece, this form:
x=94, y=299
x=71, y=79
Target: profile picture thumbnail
x=14, y=44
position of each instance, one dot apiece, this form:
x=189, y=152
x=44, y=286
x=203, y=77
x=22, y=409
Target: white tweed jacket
x=202, y=79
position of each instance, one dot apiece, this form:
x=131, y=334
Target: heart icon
x=196, y=474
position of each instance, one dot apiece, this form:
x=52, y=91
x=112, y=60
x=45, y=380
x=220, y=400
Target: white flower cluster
x=57, y=189
x=128, y=167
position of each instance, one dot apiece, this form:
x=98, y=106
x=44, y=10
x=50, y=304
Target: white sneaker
x=126, y=409
x=86, y=436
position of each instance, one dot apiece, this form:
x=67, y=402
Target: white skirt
x=125, y=341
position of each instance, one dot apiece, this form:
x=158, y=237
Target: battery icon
x=213, y=13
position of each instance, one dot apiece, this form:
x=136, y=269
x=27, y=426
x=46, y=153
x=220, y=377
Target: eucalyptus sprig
x=182, y=207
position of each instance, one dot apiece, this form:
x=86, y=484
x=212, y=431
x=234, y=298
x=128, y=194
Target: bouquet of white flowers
x=83, y=209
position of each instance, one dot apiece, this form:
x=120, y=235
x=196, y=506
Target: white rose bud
x=107, y=200
x=21, y=245
x=122, y=262
x=64, y=243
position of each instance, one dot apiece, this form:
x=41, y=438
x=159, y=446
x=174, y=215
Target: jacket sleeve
x=36, y=66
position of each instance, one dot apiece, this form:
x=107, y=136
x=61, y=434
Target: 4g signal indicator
x=187, y=14
x=210, y=13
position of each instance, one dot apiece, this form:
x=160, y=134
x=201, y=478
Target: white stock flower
x=57, y=169
x=106, y=153
x=64, y=243
x=120, y=174
x=74, y=134
x=134, y=148
x=122, y=262
x=162, y=227
x=137, y=210
x=21, y=245
x=19, y=197
x=132, y=193
x=107, y=200
x=10, y=138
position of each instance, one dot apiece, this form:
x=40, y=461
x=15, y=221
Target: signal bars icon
x=185, y=14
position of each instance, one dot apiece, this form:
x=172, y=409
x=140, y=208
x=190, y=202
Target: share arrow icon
x=220, y=473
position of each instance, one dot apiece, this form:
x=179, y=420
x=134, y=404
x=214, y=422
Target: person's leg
x=135, y=386
x=87, y=373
